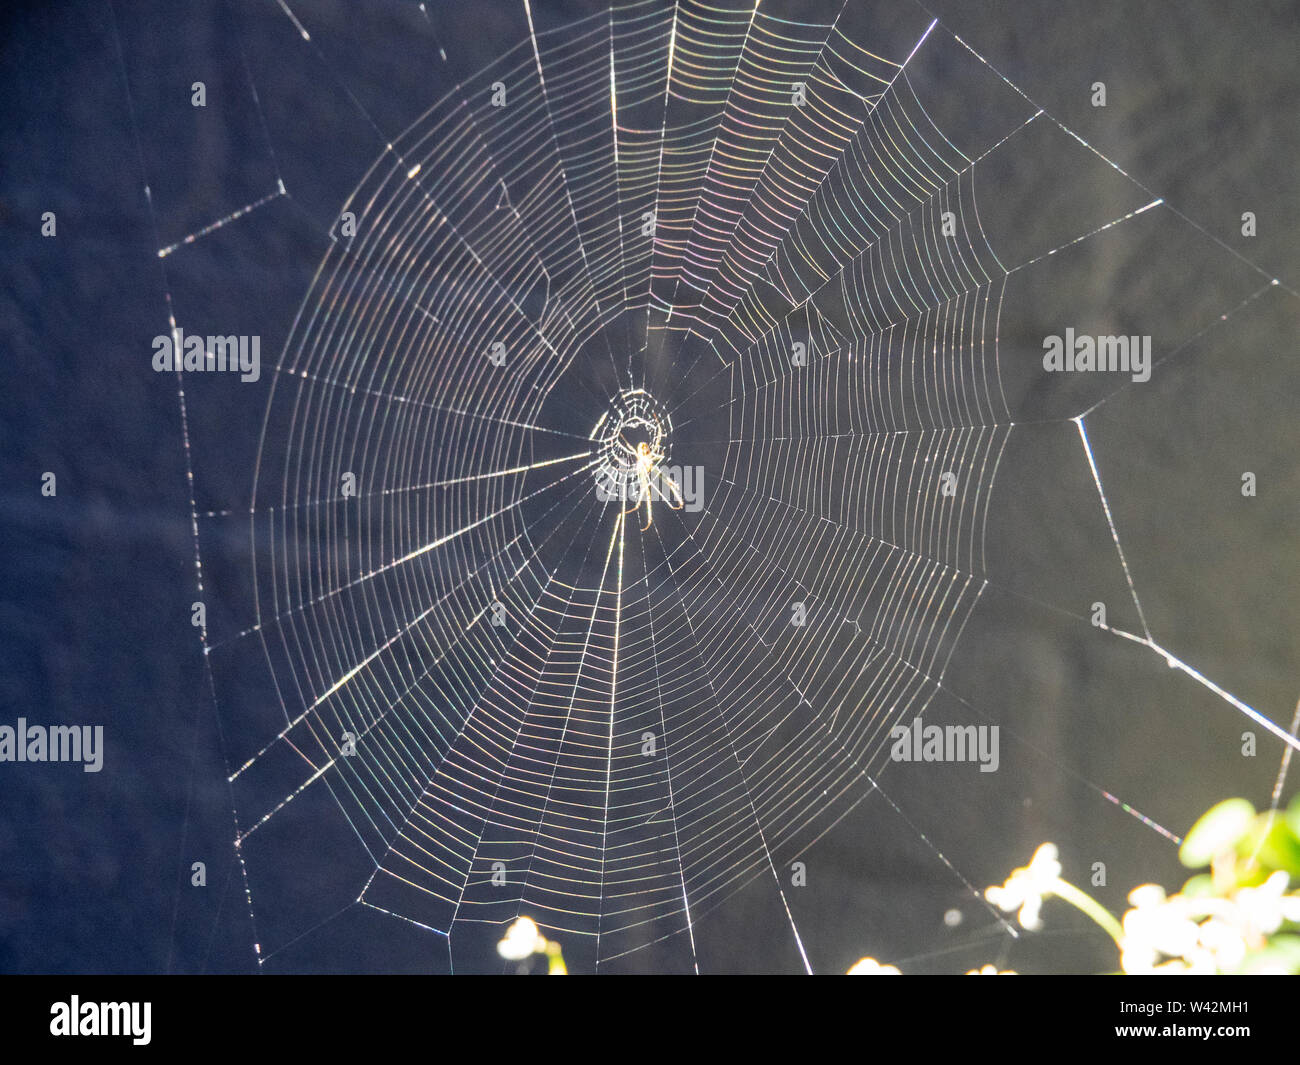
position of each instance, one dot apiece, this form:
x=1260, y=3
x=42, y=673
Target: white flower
x=1194, y=935
x=1146, y=895
x=1027, y=887
x=522, y=940
x=1265, y=907
x=871, y=967
x=1225, y=942
x=1159, y=926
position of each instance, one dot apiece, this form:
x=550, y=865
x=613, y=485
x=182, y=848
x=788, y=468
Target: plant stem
x=1088, y=905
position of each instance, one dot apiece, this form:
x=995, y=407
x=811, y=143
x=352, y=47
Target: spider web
x=781, y=235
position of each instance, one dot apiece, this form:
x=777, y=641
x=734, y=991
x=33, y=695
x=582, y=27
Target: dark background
x=97, y=582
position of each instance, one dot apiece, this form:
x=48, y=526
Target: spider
x=649, y=478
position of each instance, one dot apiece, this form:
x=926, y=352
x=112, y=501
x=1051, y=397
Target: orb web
x=754, y=243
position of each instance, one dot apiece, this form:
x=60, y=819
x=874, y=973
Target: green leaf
x=1293, y=816
x=1217, y=832
x=1269, y=840
x=1282, y=955
x=1200, y=886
